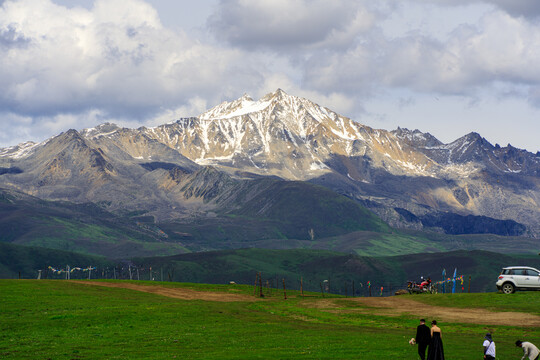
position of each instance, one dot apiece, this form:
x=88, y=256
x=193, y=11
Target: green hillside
x=83, y=228
x=256, y=212
x=312, y=266
x=25, y=261
x=341, y=270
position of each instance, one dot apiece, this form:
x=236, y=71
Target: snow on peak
x=18, y=151
x=239, y=107
x=100, y=130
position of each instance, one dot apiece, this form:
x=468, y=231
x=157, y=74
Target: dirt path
x=177, y=293
x=385, y=306
x=396, y=306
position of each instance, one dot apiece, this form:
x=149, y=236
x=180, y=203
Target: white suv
x=518, y=278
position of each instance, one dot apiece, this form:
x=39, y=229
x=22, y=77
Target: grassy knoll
x=63, y=320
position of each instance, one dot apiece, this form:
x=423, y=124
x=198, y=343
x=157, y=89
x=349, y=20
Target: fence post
x=469, y=284
x=284, y=290
x=260, y=286
x=353, y=288
x=322, y=291
x=302, y=286
x=255, y=284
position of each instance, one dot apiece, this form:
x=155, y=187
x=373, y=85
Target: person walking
x=530, y=351
x=489, y=347
x=423, y=338
x=436, y=351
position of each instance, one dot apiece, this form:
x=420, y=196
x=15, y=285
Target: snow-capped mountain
x=289, y=137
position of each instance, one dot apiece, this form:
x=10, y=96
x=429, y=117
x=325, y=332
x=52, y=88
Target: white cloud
x=116, y=57
x=500, y=48
x=289, y=24
x=114, y=60
x=525, y=8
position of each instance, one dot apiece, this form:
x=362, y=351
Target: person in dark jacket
x=423, y=338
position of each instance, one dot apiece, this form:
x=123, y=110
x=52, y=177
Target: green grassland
x=61, y=320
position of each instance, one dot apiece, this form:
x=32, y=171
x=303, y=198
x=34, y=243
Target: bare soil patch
x=177, y=293
x=396, y=306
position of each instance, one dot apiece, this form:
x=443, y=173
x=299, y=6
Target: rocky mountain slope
x=408, y=178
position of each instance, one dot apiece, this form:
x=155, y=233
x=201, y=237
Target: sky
x=447, y=67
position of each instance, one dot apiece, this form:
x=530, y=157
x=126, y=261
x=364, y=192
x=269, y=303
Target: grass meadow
x=55, y=319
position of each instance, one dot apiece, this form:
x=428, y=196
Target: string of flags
x=70, y=270
x=454, y=279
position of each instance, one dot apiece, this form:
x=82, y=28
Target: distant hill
x=339, y=269
x=241, y=266
x=25, y=261
x=264, y=213
x=83, y=228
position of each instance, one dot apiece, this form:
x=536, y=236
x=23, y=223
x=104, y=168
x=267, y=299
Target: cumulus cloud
x=114, y=60
x=286, y=24
x=500, y=48
x=525, y=8
x=116, y=56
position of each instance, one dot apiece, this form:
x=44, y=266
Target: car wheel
x=508, y=288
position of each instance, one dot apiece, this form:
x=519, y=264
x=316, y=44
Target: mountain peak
x=416, y=137
x=101, y=129
x=246, y=97
x=277, y=95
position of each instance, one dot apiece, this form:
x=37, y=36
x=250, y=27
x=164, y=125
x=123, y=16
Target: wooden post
x=161, y=274
x=255, y=285
x=302, y=286
x=322, y=290
x=284, y=290
x=469, y=284
x=369, y=290
x=346, y=291
x=169, y=273
x=260, y=286
x=19, y=275
x=353, y=288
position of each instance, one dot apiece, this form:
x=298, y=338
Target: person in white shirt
x=489, y=347
x=530, y=352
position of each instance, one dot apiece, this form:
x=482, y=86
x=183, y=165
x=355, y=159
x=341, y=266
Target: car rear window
x=507, y=272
